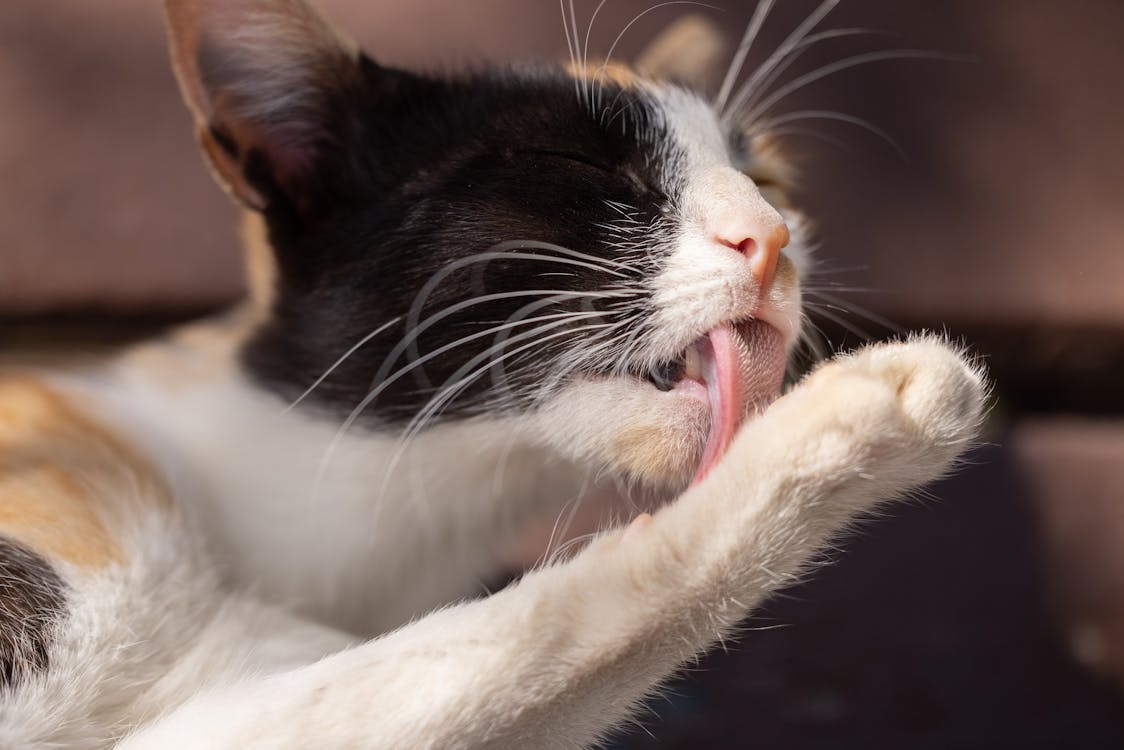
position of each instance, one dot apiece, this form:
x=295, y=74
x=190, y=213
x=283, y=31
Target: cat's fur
x=192, y=564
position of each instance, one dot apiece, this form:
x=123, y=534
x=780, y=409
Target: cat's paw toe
x=902, y=411
x=937, y=397
x=939, y=388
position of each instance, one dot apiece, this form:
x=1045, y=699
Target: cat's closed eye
x=657, y=199
x=571, y=156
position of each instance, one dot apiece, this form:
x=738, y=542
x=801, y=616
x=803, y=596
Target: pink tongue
x=723, y=377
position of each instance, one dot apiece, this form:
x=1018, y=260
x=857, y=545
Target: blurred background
x=989, y=614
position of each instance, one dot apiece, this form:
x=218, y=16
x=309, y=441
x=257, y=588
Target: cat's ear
x=692, y=51
x=260, y=77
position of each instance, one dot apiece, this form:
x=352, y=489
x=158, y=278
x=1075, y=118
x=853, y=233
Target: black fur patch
x=415, y=173
x=32, y=598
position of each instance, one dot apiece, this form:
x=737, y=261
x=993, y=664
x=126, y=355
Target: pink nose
x=761, y=245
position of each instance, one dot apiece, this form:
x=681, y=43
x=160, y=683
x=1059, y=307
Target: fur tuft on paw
x=940, y=388
x=901, y=411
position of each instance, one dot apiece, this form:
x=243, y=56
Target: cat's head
x=595, y=257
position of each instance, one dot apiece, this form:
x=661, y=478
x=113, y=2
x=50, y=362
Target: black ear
x=260, y=77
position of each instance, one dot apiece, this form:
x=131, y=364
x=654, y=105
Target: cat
x=474, y=300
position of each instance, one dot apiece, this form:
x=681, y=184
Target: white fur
x=560, y=658
x=330, y=523
x=555, y=661
x=705, y=282
x=145, y=636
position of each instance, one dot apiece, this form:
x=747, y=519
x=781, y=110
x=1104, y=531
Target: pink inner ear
x=258, y=72
x=288, y=146
x=252, y=112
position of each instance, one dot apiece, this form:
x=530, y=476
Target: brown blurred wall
x=1006, y=204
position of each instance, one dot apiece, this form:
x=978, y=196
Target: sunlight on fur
x=478, y=300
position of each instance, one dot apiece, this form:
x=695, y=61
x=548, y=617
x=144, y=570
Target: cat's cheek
x=630, y=428
x=655, y=454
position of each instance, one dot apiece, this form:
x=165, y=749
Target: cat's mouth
x=737, y=369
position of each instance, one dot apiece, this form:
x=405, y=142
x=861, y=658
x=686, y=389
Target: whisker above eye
x=819, y=114
x=760, y=13
x=570, y=45
x=808, y=133
x=613, y=47
x=785, y=47
x=845, y=64
x=758, y=84
x=585, y=48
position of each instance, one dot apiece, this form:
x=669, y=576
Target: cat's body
x=346, y=554
x=198, y=561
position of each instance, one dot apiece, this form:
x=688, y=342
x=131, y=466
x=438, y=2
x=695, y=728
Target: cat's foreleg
x=562, y=657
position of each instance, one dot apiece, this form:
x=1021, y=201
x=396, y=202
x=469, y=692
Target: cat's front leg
x=562, y=657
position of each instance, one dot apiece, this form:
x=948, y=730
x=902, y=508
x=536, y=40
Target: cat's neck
x=290, y=500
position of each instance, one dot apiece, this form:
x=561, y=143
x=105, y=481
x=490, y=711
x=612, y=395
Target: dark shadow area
x=930, y=629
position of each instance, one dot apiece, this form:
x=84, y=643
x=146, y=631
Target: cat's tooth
x=692, y=364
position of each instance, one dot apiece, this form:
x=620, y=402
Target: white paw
x=883, y=420
x=908, y=408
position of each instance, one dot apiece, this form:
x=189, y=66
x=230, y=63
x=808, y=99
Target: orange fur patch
x=595, y=72
x=646, y=451
x=62, y=475
x=261, y=267
x=692, y=51
x=198, y=352
x=785, y=276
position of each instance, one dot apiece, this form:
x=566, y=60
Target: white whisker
x=760, y=13
x=851, y=307
x=785, y=47
x=849, y=62
x=407, y=342
x=815, y=134
x=585, y=48
x=340, y=361
x=637, y=17
x=763, y=79
x=570, y=46
x=817, y=114
x=367, y=400
x=501, y=251
x=826, y=312
x=449, y=390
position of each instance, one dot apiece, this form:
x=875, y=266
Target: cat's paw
x=938, y=388
x=894, y=415
x=912, y=406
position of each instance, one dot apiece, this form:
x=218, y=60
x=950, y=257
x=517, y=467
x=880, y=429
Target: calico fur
x=220, y=539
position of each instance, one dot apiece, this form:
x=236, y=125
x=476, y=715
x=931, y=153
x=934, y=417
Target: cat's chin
x=669, y=437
